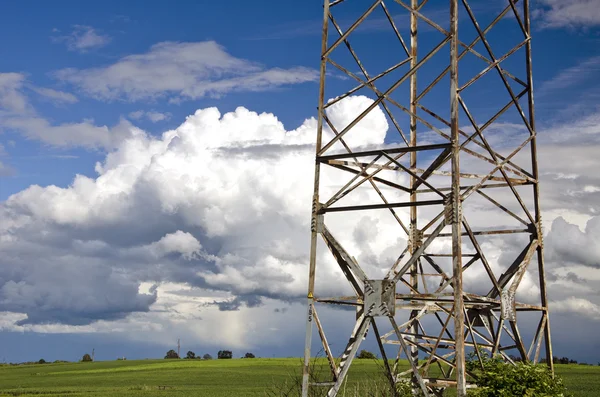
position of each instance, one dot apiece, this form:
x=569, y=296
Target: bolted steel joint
x=507, y=305
x=380, y=298
x=317, y=221
x=415, y=238
x=537, y=232
x=452, y=213
x=540, y=233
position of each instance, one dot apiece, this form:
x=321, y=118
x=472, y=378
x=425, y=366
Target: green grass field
x=216, y=378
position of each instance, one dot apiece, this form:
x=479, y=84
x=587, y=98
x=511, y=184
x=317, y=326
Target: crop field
x=214, y=378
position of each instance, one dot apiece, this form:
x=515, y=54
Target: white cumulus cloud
x=580, y=305
x=214, y=217
x=178, y=242
x=221, y=202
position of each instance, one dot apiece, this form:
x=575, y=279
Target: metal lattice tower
x=460, y=181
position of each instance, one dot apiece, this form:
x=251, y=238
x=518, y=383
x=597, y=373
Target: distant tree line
x=563, y=360
x=221, y=355
x=40, y=361
x=555, y=360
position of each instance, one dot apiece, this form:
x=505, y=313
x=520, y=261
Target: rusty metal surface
x=431, y=187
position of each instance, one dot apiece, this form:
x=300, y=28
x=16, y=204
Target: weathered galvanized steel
x=464, y=171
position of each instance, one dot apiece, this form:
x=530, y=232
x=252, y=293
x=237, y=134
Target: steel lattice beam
x=432, y=318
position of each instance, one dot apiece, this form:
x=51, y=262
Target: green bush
x=86, y=358
x=365, y=354
x=501, y=379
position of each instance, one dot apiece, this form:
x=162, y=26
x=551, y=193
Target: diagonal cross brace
x=362, y=326
x=417, y=254
x=523, y=267
x=351, y=269
x=437, y=163
x=384, y=95
x=415, y=370
x=518, y=266
x=332, y=365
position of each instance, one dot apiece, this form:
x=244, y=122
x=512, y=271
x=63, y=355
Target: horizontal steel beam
x=406, y=149
x=381, y=206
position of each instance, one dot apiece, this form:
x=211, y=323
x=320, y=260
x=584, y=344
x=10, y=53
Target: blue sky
x=75, y=80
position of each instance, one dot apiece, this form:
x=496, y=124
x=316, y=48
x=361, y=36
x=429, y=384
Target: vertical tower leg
x=536, y=194
x=315, y=209
x=459, y=319
x=414, y=276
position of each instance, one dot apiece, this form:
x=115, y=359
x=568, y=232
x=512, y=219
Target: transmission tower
x=458, y=176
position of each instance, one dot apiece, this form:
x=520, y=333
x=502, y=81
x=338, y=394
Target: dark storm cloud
x=67, y=291
x=239, y=301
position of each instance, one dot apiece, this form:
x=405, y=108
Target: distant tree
x=86, y=358
x=224, y=354
x=42, y=361
x=249, y=355
x=365, y=354
x=190, y=355
x=207, y=357
x=172, y=354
